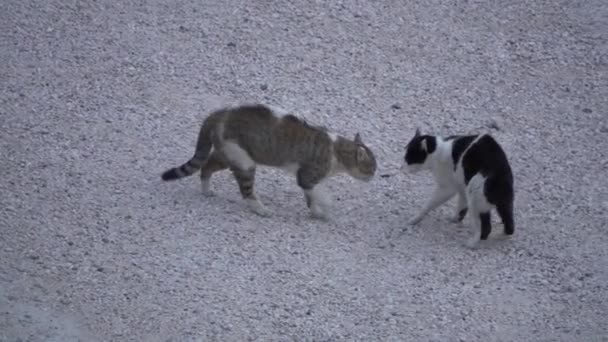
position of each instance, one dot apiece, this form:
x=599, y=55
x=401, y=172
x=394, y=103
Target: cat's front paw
x=206, y=189
x=459, y=216
x=319, y=213
x=259, y=208
x=455, y=219
x=503, y=236
x=472, y=243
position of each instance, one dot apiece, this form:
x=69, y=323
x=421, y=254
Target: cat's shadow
x=441, y=230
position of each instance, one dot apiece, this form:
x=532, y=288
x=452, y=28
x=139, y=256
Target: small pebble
x=396, y=106
x=587, y=110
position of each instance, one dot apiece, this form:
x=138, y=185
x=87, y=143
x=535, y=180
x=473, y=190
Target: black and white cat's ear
x=423, y=145
x=358, y=138
x=417, y=132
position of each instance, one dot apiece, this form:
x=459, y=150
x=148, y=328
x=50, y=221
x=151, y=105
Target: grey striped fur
x=243, y=137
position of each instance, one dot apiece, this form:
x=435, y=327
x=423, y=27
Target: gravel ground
x=99, y=97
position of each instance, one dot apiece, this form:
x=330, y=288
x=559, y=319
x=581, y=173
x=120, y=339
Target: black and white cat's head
x=418, y=152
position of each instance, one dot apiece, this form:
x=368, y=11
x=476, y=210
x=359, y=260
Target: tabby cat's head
x=362, y=162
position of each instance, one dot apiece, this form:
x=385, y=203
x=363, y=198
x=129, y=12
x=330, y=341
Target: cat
x=240, y=138
x=473, y=166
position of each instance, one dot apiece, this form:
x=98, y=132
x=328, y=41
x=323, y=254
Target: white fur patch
x=291, y=168
x=333, y=136
x=336, y=166
x=318, y=196
x=237, y=155
x=473, y=241
x=278, y=111
x=423, y=145
x=475, y=195
x=320, y=203
x=206, y=187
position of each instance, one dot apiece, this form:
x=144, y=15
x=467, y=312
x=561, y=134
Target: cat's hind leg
x=243, y=169
x=479, y=209
x=245, y=180
x=473, y=241
x=213, y=164
x=482, y=226
x=486, y=225
x=461, y=208
x=505, y=211
x=441, y=195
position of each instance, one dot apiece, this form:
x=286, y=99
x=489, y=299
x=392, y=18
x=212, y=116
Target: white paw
x=456, y=219
x=472, y=243
x=206, y=189
x=318, y=212
x=258, y=208
x=503, y=236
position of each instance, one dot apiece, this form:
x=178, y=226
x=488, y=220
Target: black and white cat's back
x=474, y=167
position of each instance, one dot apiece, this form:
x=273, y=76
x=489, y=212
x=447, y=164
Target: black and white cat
x=473, y=166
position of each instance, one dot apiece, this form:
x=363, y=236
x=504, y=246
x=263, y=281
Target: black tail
x=203, y=147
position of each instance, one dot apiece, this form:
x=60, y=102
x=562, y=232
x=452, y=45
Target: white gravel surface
x=99, y=97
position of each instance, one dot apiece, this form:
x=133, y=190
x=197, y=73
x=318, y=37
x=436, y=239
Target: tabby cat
x=242, y=137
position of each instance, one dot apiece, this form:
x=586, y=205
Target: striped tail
x=203, y=147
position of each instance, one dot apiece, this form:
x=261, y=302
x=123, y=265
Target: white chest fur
x=442, y=165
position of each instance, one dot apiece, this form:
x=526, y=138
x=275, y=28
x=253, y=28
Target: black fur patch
x=415, y=154
x=462, y=213
x=459, y=145
x=487, y=158
x=170, y=175
x=505, y=211
x=486, y=225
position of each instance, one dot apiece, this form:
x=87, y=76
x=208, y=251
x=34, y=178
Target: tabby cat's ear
x=358, y=138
